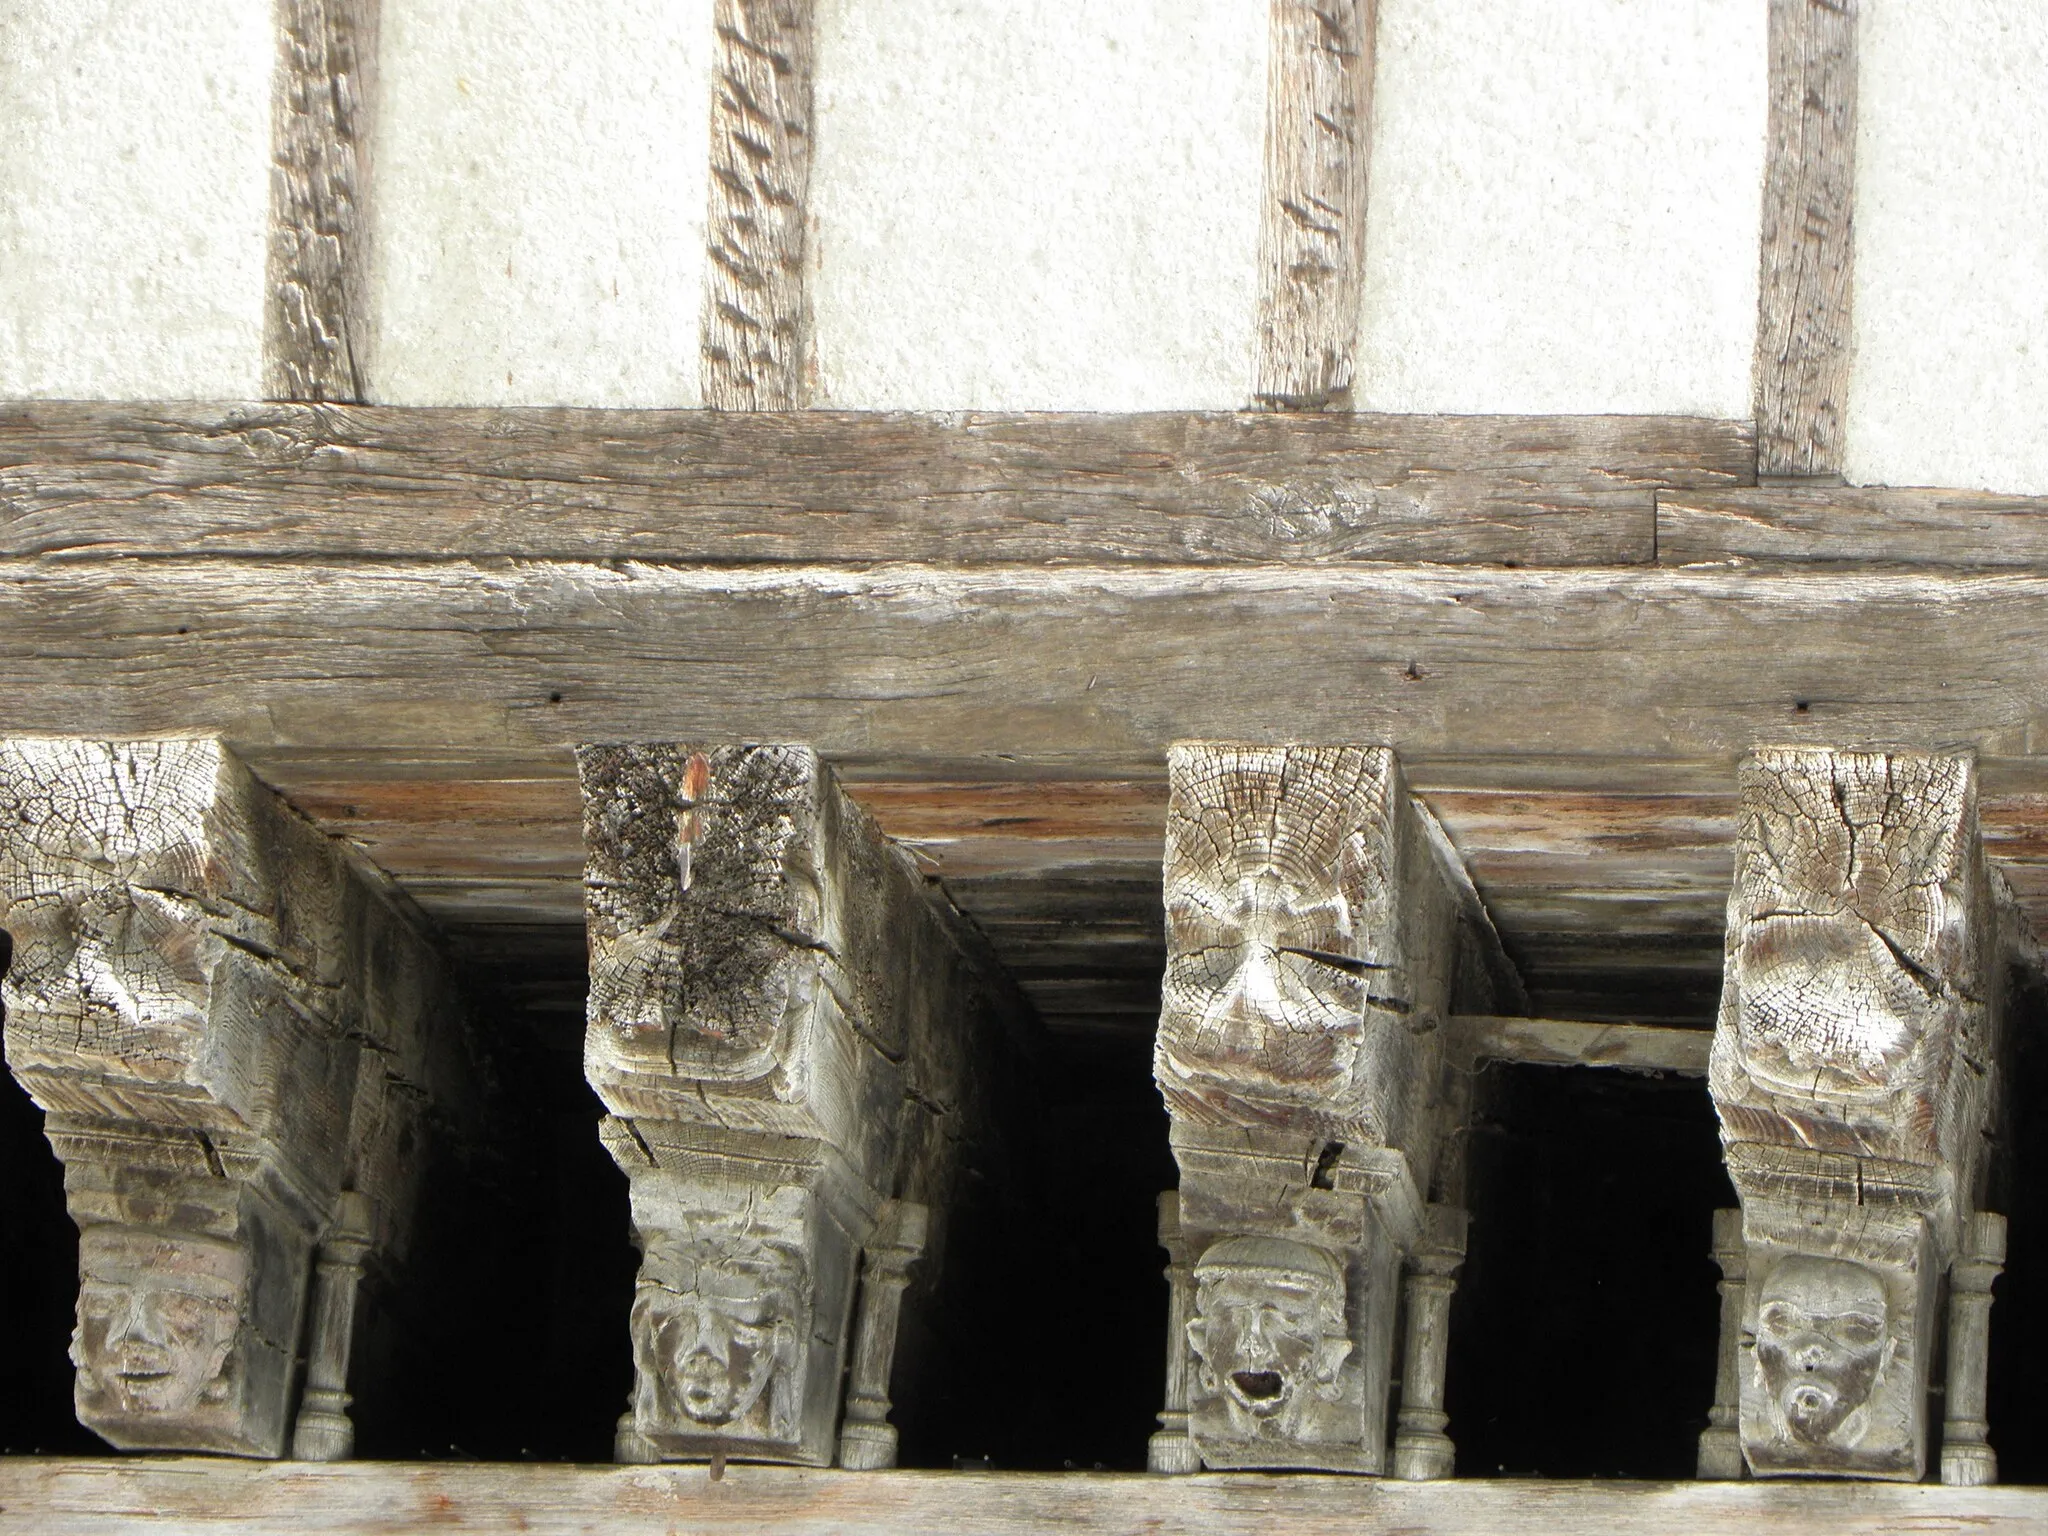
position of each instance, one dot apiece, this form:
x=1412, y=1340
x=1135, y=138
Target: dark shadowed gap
x=2017, y=1403
x=1584, y=1329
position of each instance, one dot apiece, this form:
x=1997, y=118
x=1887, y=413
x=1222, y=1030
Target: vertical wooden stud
x=316, y=327
x=1803, y=336
x=1312, y=227
x=757, y=318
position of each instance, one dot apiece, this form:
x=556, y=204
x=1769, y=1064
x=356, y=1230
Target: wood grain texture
x=848, y=488
x=1319, y=74
x=1845, y=525
x=1570, y=1043
x=1803, y=338
x=316, y=315
x=98, y=1498
x=756, y=327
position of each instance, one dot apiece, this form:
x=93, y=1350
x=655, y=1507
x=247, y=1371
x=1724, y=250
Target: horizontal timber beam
x=1568, y=1043
x=95, y=1498
x=739, y=487
x=1053, y=668
x=1848, y=525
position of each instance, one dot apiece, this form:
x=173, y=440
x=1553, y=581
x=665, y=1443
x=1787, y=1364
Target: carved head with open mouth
x=1268, y=1333
x=1821, y=1341
x=159, y=1316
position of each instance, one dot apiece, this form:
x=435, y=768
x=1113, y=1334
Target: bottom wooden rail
x=193, y=1496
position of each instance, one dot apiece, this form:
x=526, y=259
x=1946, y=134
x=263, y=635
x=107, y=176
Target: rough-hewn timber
x=87, y=1498
x=1570, y=1043
x=1846, y=525
x=1319, y=69
x=316, y=316
x=756, y=325
x=1802, y=342
x=847, y=488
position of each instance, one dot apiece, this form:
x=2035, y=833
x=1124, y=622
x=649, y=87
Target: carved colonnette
x=241, y=1040
x=795, y=1041
x=1855, y=1067
x=1320, y=930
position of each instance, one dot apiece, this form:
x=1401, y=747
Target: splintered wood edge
x=95, y=1497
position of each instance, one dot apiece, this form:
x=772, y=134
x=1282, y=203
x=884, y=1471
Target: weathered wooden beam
x=1847, y=525
x=798, y=1045
x=1320, y=930
x=1856, y=1068
x=99, y=1498
x=1803, y=336
x=238, y=1037
x=1567, y=1043
x=1064, y=670
x=316, y=314
x=847, y=488
x=1319, y=74
x=757, y=313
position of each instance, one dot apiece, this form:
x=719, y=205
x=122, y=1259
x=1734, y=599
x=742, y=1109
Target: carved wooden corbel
x=229, y=1024
x=1320, y=930
x=793, y=1038
x=1855, y=1068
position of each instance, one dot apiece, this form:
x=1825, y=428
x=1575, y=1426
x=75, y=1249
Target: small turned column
x=1422, y=1451
x=867, y=1440
x=1721, y=1440
x=323, y=1431
x=1967, y=1461
x=1170, y=1450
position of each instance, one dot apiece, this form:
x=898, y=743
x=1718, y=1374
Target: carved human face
x=115, y=961
x=158, y=1321
x=708, y=1354
x=1268, y=1332
x=1820, y=1341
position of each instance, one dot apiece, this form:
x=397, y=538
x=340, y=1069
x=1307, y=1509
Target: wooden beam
x=757, y=314
x=1803, y=337
x=1844, y=525
x=1075, y=671
x=1319, y=75
x=99, y=1498
x=847, y=488
x=316, y=319
x=1567, y=1043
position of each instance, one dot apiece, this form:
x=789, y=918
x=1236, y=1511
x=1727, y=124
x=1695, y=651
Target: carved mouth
x=1259, y=1388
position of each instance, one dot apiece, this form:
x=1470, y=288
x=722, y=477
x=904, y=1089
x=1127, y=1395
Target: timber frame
x=991, y=626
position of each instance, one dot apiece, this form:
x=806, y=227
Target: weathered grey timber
x=1855, y=1068
x=789, y=1033
x=1320, y=930
x=1803, y=337
x=1721, y=1441
x=1851, y=525
x=1170, y=1450
x=316, y=317
x=228, y=1025
x=847, y=488
x=1569, y=1043
x=101, y=1498
x=1319, y=70
x=756, y=348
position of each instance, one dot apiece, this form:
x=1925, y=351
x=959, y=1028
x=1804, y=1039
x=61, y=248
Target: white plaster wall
x=1566, y=202
x=1037, y=204
x=539, y=197
x=134, y=197
x=1950, y=313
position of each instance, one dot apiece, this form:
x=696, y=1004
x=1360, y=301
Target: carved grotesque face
x=1268, y=1333
x=159, y=1317
x=1820, y=1341
x=709, y=1352
x=111, y=963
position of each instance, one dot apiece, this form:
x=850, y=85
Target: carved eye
x=1779, y=1318
x=1858, y=1330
